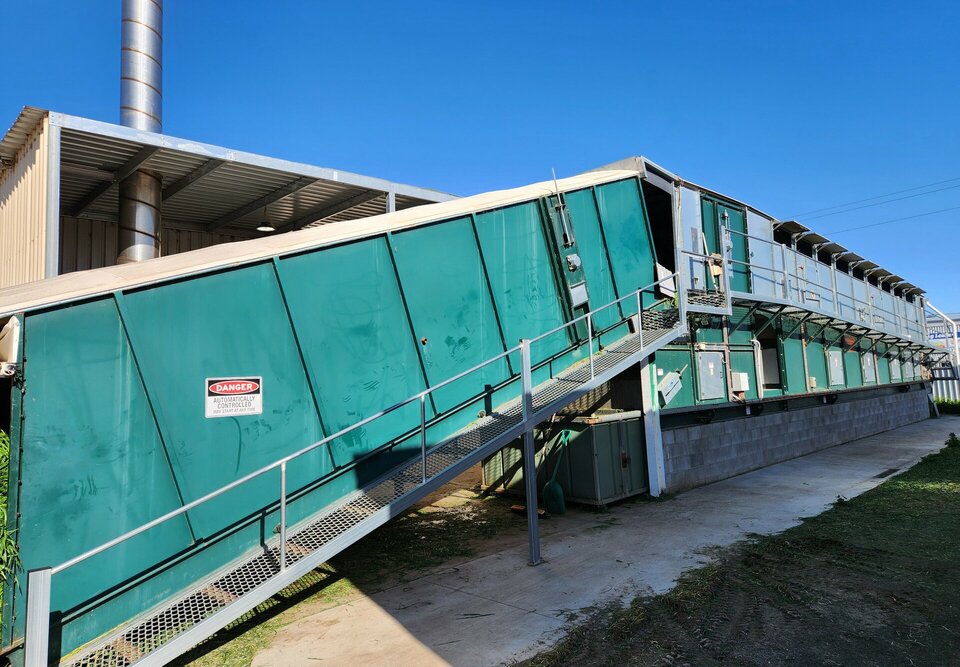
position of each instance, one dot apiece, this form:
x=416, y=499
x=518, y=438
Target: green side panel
x=231, y=324
x=736, y=221
x=851, y=366
x=742, y=361
x=357, y=345
x=712, y=333
x=626, y=228
x=595, y=255
x=817, y=364
x=791, y=350
x=520, y=267
x=673, y=359
x=883, y=364
x=741, y=327
x=93, y=464
x=450, y=306
x=711, y=224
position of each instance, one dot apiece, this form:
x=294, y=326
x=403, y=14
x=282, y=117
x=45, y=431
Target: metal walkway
x=183, y=622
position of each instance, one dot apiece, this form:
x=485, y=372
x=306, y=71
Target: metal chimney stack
x=141, y=107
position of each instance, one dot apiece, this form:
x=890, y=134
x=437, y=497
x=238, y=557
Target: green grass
x=873, y=580
x=9, y=559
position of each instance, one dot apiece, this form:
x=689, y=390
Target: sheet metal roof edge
x=80, y=285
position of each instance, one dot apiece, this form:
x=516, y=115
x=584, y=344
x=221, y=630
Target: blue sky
x=791, y=106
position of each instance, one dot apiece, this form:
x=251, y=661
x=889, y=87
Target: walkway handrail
x=282, y=462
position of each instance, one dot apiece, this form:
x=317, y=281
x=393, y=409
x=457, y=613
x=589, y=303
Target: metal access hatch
x=711, y=383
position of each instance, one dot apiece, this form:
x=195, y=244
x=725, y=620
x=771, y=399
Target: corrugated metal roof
x=205, y=187
x=17, y=135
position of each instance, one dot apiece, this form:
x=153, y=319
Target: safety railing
x=509, y=387
x=797, y=288
x=714, y=296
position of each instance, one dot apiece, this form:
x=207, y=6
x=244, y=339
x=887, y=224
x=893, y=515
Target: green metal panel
x=348, y=312
x=450, y=307
x=595, y=254
x=522, y=279
x=791, y=351
x=736, y=221
x=237, y=326
x=93, y=462
x=716, y=215
x=626, y=229
x=817, y=359
x=883, y=364
x=742, y=361
x=741, y=326
x=852, y=369
x=670, y=359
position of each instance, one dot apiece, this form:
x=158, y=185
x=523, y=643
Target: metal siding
x=93, y=461
x=23, y=212
x=358, y=332
x=837, y=375
x=88, y=243
x=225, y=325
x=765, y=281
x=623, y=218
x=711, y=376
x=594, y=252
x=450, y=307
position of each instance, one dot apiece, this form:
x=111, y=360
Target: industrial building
x=201, y=413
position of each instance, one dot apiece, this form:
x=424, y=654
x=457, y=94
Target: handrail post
x=590, y=343
x=640, y=316
x=423, y=436
x=37, y=631
x=786, y=275
x=283, y=516
x=529, y=452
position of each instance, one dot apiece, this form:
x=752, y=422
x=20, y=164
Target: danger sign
x=232, y=397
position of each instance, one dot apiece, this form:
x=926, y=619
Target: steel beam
x=329, y=210
x=127, y=168
x=206, y=168
x=265, y=200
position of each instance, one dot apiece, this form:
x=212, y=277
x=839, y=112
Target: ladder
x=178, y=624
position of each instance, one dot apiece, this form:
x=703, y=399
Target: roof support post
x=653, y=436
x=51, y=251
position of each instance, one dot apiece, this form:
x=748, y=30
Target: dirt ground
x=450, y=525
x=873, y=581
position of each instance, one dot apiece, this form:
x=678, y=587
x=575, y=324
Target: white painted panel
x=693, y=271
x=835, y=366
x=764, y=281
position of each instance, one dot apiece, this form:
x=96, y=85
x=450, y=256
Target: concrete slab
x=495, y=610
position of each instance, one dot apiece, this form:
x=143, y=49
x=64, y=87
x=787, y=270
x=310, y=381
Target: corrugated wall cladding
x=23, y=213
x=92, y=244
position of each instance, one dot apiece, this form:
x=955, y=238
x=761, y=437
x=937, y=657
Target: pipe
x=140, y=196
x=610, y=417
x=758, y=366
x=141, y=107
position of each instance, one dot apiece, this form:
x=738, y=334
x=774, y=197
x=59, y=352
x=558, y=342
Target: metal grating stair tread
x=162, y=624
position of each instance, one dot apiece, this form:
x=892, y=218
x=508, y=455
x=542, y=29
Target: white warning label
x=232, y=397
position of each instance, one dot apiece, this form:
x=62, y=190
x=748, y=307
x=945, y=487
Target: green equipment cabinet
x=604, y=462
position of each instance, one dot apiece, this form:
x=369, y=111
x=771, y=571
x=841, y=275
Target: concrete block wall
x=696, y=455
